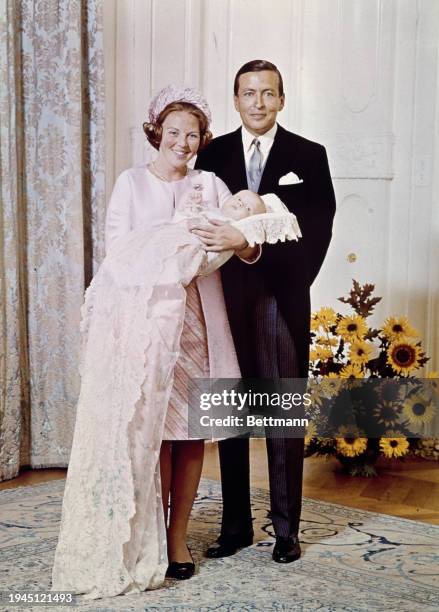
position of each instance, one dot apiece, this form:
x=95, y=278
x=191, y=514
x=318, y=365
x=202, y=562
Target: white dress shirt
x=266, y=141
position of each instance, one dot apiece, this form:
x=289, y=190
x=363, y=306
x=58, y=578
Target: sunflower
x=351, y=446
x=326, y=341
x=315, y=324
x=311, y=432
x=330, y=385
x=419, y=410
x=404, y=356
x=386, y=413
x=325, y=317
x=312, y=408
x=313, y=355
x=348, y=431
x=352, y=370
x=320, y=353
x=398, y=328
x=352, y=327
x=390, y=390
x=360, y=352
x=315, y=400
x=394, y=447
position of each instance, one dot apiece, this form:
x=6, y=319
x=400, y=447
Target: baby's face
x=243, y=204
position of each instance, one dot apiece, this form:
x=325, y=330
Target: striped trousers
x=276, y=358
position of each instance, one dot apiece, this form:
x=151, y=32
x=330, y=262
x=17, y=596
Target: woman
x=112, y=537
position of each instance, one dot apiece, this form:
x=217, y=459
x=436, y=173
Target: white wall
x=361, y=76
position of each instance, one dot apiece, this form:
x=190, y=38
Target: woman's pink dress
x=141, y=199
x=193, y=362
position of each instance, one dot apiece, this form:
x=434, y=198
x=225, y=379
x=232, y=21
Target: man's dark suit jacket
x=286, y=270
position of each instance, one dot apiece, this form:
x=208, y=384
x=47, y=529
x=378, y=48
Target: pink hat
x=174, y=93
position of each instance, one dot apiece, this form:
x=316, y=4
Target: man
x=272, y=334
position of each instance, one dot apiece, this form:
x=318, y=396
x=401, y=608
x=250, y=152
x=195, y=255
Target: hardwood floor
x=408, y=489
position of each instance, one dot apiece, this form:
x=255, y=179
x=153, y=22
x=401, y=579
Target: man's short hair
x=258, y=66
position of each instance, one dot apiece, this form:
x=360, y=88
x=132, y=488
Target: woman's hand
x=220, y=236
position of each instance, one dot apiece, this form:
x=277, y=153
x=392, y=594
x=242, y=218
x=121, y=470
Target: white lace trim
x=269, y=227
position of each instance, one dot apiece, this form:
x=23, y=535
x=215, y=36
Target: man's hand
x=219, y=236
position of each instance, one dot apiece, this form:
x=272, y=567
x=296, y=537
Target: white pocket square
x=290, y=179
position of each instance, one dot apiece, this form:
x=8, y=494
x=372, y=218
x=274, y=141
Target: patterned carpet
x=353, y=560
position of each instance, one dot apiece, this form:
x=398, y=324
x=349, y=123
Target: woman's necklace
x=163, y=178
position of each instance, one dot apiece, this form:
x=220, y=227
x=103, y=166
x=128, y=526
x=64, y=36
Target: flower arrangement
x=345, y=348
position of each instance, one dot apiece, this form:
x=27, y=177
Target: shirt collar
x=266, y=139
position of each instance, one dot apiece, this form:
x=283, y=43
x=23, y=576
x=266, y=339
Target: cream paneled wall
x=361, y=76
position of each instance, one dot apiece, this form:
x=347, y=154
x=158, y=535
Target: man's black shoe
x=286, y=550
x=227, y=546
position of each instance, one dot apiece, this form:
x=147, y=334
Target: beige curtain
x=51, y=217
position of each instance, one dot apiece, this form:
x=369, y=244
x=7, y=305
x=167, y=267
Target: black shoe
x=286, y=550
x=181, y=571
x=226, y=546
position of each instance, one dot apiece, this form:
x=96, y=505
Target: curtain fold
x=52, y=217
x=14, y=361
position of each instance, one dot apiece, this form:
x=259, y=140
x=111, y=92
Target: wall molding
x=360, y=156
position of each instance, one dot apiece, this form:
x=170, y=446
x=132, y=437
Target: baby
x=259, y=218
x=243, y=204
x=236, y=207
x=165, y=246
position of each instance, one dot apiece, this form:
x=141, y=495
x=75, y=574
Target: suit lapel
x=283, y=157
x=236, y=174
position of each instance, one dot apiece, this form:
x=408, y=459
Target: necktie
x=255, y=165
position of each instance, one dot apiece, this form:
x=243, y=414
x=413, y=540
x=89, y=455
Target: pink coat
x=140, y=199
